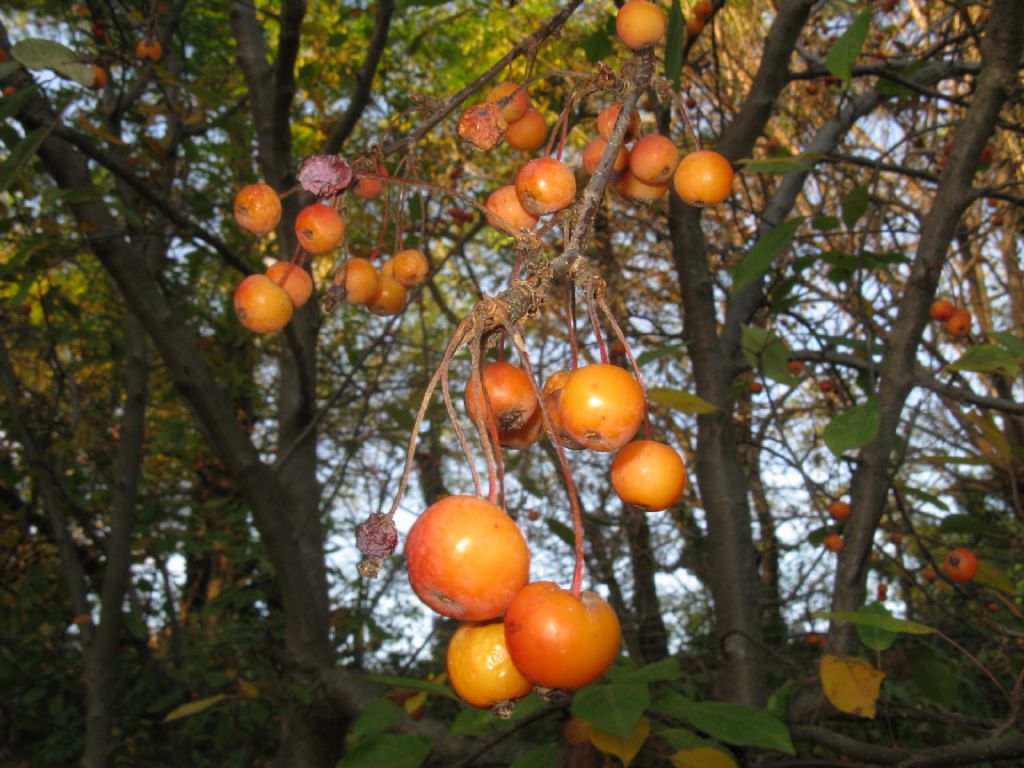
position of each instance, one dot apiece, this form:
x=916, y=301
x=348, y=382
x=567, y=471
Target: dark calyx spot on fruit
x=510, y=419
x=325, y=175
x=442, y=598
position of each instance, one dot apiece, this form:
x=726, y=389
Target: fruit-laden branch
x=720, y=475
x=1001, y=52
x=360, y=98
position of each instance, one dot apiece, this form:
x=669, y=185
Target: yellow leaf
x=414, y=702
x=624, y=749
x=991, y=576
x=703, y=757
x=851, y=684
x=248, y=689
x=193, y=707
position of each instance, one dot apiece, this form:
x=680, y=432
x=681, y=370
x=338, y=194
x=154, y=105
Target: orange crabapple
x=631, y=188
x=653, y=159
x=408, y=266
x=559, y=640
x=370, y=188
x=526, y=435
x=149, y=49
x=512, y=98
x=480, y=668
x=552, y=395
x=504, y=204
x=257, y=208
x=840, y=510
x=640, y=24
x=960, y=564
x=941, y=310
x=319, y=228
x=795, y=367
x=509, y=393
x=601, y=407
x=466, y=558
x=649, y=475
x=959, y=324
x=703, y=10
x=99, y=77
x=545, y=185
x=595, y=149
x=607, y=118
x=694, y=26
x=834, y=542
x=529, y=132
x=262, y=305
x=703, y=178
x=298, y=284
x=358, y=279
x=482, y=125
x=389, y=298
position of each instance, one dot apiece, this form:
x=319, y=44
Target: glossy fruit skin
x=518, y=100
x=262, y=305
x=545, y=185
x=631, y=188
x=601, y=407
x=467, y=559
x=529, y=132
x=510, y=393
x=834, y=542
x=595, y=149
x=959, y=325
x=640, y=24
x=961, y=564
x=298, y=285
x=409, y=267
x=552, y=394
x=369, y=188
x=703, y=178
x=840, y=510
x=694, y=26
x=358, y=279
x=941, y=310
x=503, y=202
x=607, y=117
x=559, y=640
x=257, y=208
x=649, y=475
x=319, y=228
x=480, y=668
x=653, y=159
x=389, y=298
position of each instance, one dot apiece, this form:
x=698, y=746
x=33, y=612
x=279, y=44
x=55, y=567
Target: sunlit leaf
x=624, y=748
x=679, y=400
x=193, y=708
x=851, y=684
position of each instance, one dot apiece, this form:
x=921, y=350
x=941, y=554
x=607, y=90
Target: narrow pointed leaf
x=844, y=52
x=680, y=401
x=760, y=258
x=882, y=621
x=193, y=708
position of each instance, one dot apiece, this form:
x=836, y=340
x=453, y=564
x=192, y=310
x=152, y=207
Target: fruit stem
x=485, y=423
x=574, y=502
x=677, y=97
x=574, y=352
x=454, y=419
x=598, y=335
x=410, y=453
x=602, y=302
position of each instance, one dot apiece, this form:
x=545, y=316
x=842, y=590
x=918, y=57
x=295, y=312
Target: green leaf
x=932, y=499
x=615, y=708
x=855, y=427
x=731, y=723
x=20, y=157
x=8, y=68
x=825, y=223
x=764, y=350
x=193, y=708
x=882, y=621
x=990, y=576
x=597, y=46
x=678, y=739
x=968, y=524
x=874, y=637
x=1009, y=342
x=414, y=683
x=985, y=358
x=936, y=675
x=388, y=749
x=855, y=205
x=37, y=53
x=666, y=669
x=674, y=42
x=472, y=722
x=680, y=401
x=651, y=355
x=83, y=74
x=765, y=251
x=376, y=718
x=541, y=757
x=9, y=105
x=844, y=52
x=562, y=531
x=777, y=166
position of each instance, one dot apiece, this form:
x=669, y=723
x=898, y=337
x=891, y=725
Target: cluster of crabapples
x=468, y=560
x=265, y=303
x=957, y=320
